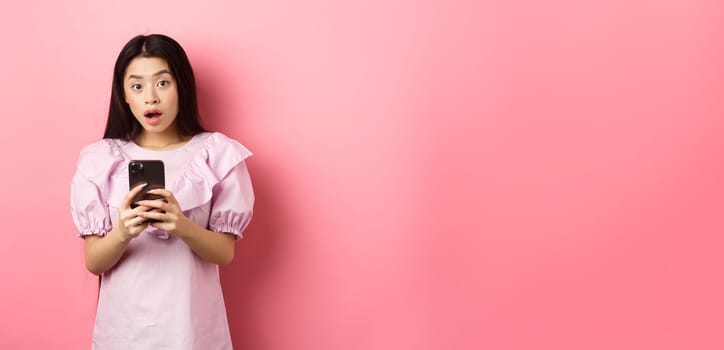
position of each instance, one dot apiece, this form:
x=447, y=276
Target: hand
x=166, y=212
x=130, y=221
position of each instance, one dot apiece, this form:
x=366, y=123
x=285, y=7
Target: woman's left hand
x=166, y=212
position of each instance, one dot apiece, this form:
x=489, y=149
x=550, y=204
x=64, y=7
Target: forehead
x=146, y=66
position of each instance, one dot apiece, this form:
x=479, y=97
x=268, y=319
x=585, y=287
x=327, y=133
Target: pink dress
x=160, y=294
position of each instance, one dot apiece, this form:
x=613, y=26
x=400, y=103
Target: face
x=150, y=91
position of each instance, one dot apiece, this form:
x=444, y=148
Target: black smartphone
x=145, y=171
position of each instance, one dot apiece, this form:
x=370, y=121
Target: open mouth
x=153, y=116
x=154, y=113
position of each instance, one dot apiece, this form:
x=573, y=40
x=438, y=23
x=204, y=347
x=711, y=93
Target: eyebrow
x=165, y=71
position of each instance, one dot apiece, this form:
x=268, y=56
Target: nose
x=151, y=98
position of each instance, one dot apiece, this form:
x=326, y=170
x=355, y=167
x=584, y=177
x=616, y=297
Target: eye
x=136, y=87
x=163, y=83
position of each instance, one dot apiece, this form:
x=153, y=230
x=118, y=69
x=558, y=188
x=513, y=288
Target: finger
x=134, y=225
x=138, y=220
x=139, y=209
x=129, y=214
x=126, y=203
x=154, y=204
x=164, y=193
x=154, y=215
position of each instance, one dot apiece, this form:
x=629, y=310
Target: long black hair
x=121, y=124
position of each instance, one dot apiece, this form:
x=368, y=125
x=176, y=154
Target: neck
x=162, y=140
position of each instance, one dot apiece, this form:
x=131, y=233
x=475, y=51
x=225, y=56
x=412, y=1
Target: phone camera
x=136, y=168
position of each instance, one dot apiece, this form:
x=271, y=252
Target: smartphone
x=145, y=171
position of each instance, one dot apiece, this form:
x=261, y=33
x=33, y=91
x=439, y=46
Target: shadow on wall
x=220, y=89
x=244, y=281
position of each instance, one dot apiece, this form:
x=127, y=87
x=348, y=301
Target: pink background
x=429, y=174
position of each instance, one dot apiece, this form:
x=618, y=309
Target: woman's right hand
x=130, y=224
x=102, y=253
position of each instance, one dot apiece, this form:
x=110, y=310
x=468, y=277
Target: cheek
x=134, y=105
x=132, y=101
x=173, y=95
x=173, y=99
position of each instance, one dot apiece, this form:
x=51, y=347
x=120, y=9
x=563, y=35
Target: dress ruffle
x=99, y=161
x=218, y=155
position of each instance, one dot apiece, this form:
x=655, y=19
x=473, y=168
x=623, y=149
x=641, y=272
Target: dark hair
x=121, y=124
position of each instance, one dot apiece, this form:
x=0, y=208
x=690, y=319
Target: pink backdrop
x=429, y=174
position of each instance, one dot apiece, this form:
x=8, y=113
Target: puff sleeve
x=232, y=196
x=87, y=205
x=232, y=202
x=88, y=202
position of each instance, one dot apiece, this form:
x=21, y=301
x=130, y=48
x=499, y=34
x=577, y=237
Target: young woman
x=159, y=261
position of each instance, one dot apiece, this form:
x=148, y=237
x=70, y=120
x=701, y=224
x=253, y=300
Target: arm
x=211, y=246
x=103, y=252
x=214, y=247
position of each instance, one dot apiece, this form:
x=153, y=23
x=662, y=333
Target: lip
x=150, y=112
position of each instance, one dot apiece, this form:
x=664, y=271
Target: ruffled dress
x=160, y=294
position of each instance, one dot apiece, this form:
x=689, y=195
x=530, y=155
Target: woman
x=159, y=261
